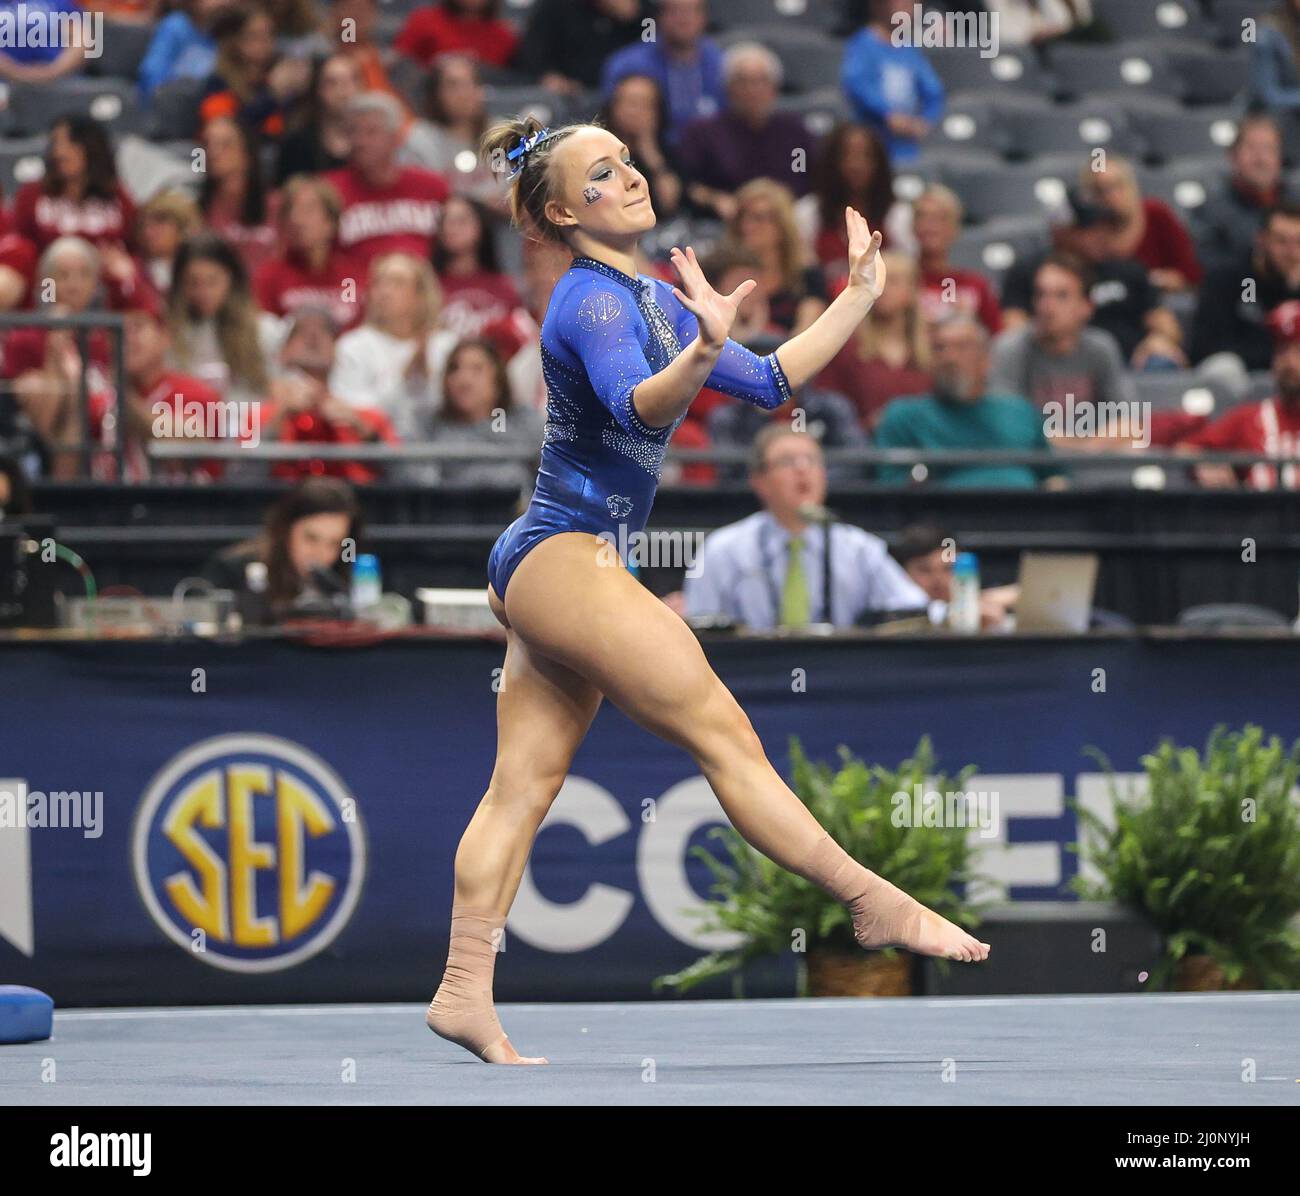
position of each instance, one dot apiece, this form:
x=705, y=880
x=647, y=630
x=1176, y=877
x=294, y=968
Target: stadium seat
x=1083, y=70
x=21, y=161
x=34, y=107
x=731, y=15
x=995, y=247
x=1013, y=69
x=969, y=123
x=1005, y=190
x=1223, y=615
x=810, y=59
x=1176, y=390
x=1201, y=132
x=1075, y=127
x=122, y=47
x=1228, y=17
x=1163, y=19
x=821, y=108
x=174, y=110
x=1210, y=76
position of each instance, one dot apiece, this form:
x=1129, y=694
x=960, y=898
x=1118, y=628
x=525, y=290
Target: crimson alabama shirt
x=400, y=218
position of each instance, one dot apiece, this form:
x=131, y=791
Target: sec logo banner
x=249, y=852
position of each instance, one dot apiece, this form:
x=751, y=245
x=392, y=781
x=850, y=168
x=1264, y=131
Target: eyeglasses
x=793, y=461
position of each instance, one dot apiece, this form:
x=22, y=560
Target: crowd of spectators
x=341, y=259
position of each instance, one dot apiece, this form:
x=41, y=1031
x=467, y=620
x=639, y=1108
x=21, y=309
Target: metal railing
x=82, y=326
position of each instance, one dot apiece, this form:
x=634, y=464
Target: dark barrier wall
x=1161, y=551
x=279, y=821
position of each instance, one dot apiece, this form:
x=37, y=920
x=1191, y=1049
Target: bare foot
x=470, y=1029
x=885, y=916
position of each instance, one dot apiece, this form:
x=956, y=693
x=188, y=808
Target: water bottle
x=255, y=598
x=964, y=607
x=366, y=587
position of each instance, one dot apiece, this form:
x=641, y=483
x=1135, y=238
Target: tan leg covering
x=461, y=1010
x=883, y=915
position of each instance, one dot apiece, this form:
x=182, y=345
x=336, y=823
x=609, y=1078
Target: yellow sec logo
x=249, y=852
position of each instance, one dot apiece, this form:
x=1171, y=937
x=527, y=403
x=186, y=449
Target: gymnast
x=623, y=357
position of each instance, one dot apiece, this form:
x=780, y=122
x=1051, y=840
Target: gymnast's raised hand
x=716, y=313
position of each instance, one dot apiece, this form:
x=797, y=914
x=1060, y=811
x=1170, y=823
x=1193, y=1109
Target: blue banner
x=268, y=821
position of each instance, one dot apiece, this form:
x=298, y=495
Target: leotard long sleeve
x=604, y=333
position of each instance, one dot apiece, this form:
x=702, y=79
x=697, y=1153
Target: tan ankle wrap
x=461, y=1010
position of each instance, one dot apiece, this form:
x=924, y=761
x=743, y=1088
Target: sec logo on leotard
x=248, y=851
x=598, y=308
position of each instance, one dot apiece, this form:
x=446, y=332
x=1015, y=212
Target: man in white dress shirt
x=767, y=570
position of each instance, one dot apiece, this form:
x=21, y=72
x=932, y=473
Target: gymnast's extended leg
x=543, y=712
x=568, y=600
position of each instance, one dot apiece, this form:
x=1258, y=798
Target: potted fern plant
x=1210, y=855
x=864, y=810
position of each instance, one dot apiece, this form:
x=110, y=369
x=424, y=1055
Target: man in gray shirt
x=1056, y=357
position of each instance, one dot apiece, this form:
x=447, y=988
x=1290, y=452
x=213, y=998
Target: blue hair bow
x=525, y=146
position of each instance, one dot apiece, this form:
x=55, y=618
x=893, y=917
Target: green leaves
x=856, y=804
x=1211, y=855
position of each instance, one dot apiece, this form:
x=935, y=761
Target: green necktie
x=796, y=603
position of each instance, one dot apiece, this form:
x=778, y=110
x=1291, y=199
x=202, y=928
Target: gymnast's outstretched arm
x=804, y=356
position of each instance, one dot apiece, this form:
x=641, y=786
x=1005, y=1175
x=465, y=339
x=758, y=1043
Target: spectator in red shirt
x=311, y=271
x=1145, y=229
x=303, y=411
x=159, y=401
x=471, y=26
x=46, y=366
x=476, y=292
x=79, y=195
x=387, y=207
x=851, y=168
x=889, y=353
x=233, y=198
x=251, y=83
x=946, y=289
x=1271, y=426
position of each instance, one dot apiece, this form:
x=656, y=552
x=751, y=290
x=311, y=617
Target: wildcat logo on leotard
x=619, y=506
x=598, y=308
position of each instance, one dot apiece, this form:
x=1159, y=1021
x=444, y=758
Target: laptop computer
x=1056, y=590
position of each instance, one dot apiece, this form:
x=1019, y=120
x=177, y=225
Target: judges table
x=275, y=818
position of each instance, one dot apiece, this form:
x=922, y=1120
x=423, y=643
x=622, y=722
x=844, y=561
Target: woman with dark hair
x=476, y=293
x=471, y=27
x=233, y=197
x=447, y=140
x=79, y=195
x=479, y=409
x=215, y=331
x=304, y=531
x=637, y=112
x=320, y=142
x=851, y=167
x=251, y=83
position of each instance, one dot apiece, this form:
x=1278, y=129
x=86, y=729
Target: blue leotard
x=605, y=332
